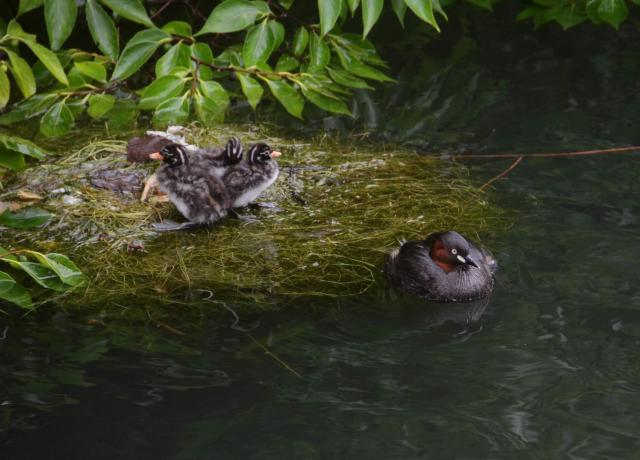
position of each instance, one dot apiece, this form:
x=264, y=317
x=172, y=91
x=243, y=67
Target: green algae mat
x=322, y=229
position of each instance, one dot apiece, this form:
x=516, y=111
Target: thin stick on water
x=224, y=305
x=235, y=327
x=270, y=353
x=615, y=150
x=501, y=175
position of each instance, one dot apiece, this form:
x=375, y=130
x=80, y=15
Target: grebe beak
x=156, y=156
x=467, y=260
x=275, y=154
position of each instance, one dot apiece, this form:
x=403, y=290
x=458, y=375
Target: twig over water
x=614, y=150
x=501, y=175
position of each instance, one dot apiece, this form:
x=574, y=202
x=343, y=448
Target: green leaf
x=138, y=51
x=5, y=87
x=208, y=112
x=346, y=79
x=57, y=121
x=232, y=16
x=211, y=102
x=329, y=12
x=484, y=4
x=288, y=96
x=399, y=8
x=613, y=12
x=356, y=67
x=48, y=58
x=251, y=89
x=62, y=266
x=11, y=291
x=319, y=53
x=20, y=146
x=12, y=160
x=215, y=92
x=40, y=274
x=202, y=52
x=160, y=90
x=130, y=9
x=258, y=45
x=424, y=10
x=77, y=107
x=569, y=17
x=92, y=69
x=76, y=78
x=28, y=5
x=371, y=10
x=100, y=104
x=3, y=27
x=28, y=218
x=60, y=17
x=180, y=28
x=353, y=6
x=102, y=29
x=330, y=104
x=179, y=55
x=123, y=114
x=300, y=40
x=174, y=110
x=361, y=49
x=287, y=63
x=278, y=32
x=33, y=106
x=22, y=74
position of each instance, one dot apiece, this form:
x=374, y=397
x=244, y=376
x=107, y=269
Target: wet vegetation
x=322, y=229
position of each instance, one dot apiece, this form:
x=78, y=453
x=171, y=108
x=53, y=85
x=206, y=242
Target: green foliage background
x=112, y=59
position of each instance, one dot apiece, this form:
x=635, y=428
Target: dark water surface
x=549, y=368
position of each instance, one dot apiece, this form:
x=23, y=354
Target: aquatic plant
x=336, y=209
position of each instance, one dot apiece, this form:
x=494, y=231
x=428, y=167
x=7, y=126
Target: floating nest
x=323, y=229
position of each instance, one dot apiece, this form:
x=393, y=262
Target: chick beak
x=275, y=154
x=156, y=156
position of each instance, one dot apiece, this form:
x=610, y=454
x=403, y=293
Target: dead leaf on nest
x=12, y=206
x=26, y=195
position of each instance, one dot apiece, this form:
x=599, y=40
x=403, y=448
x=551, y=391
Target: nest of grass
x=336, y=209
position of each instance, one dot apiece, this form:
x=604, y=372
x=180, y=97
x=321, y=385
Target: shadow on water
x=548, y=368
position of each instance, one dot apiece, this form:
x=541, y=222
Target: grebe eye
x=454, y=251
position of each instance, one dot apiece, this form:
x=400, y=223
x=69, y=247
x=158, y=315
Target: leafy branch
x=242, y=48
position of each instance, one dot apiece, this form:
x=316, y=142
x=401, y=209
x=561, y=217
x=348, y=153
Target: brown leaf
x=26, y=195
